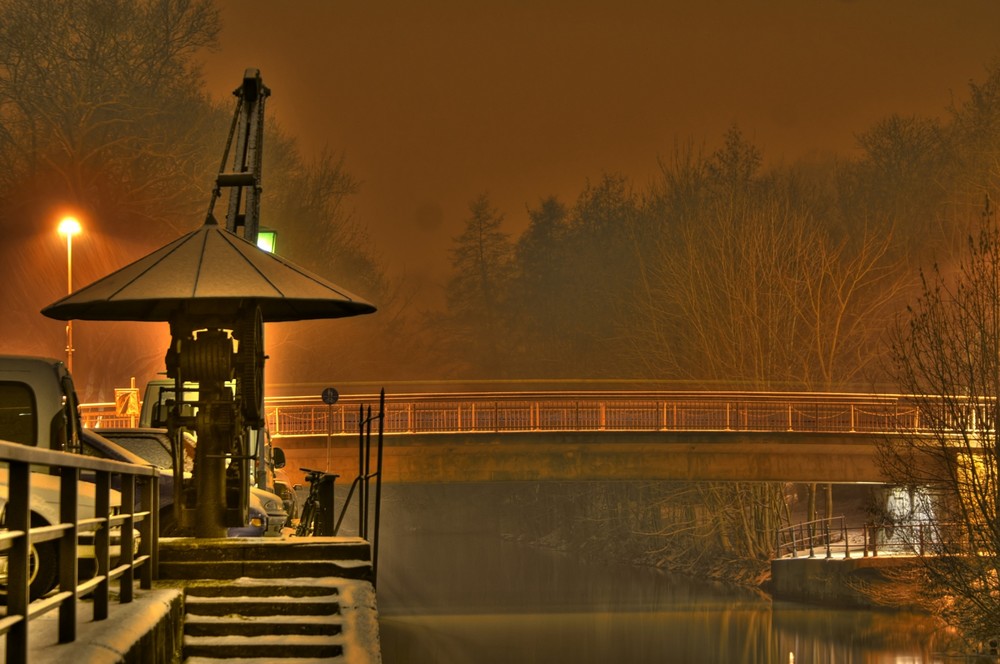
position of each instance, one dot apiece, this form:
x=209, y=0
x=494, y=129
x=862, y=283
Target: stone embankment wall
x=850, y=582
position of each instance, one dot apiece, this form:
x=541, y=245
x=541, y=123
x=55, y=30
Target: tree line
x=725, y=272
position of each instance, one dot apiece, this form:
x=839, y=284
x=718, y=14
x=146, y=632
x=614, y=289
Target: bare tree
x=100, y=111
x=745, y=286
x=101, y=104
x=946, y=354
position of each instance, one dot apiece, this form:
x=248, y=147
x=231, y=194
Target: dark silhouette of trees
x=473, y=332
x=901, y=174
x=541, y=317
x=598, y=253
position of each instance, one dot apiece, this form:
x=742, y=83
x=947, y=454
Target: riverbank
x=872, y=582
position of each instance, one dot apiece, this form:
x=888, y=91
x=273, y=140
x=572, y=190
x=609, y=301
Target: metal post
x=361, y=469
x=329, y=433
x=69, y=289
x=378, y=486
x=125, y=556
x=68, y=514
x=102, y=542
x=368, y=456
x=18, y=519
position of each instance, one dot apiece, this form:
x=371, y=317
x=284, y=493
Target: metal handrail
x=19, y=536
x=832, y=537
x=320, y=502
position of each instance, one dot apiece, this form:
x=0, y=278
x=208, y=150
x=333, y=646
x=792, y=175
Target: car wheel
x=43, y=570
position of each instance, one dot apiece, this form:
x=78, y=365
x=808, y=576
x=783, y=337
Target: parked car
x=267, y=515
x=38, y=408
x=44, y=564
x=284, y=488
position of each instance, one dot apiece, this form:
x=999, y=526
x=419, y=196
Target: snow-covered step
x=268, y=647
x=257, y=660
x=261, y=606
x=324, y=625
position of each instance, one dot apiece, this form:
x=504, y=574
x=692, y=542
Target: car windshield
x=148, y=447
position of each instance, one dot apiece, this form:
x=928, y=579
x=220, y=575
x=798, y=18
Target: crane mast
x=244, y=176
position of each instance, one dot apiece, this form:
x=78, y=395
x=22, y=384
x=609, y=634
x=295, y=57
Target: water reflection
x=451, y=599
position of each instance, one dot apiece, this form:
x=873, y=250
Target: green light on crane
x=267, y=239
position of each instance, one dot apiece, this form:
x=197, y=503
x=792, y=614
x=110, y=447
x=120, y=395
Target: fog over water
x=453, y=590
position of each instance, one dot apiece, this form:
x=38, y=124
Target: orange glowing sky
x=434, y=102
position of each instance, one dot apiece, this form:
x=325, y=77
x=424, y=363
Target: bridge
x=595, y=435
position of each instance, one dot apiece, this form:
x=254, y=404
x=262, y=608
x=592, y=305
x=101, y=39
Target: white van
x=39, y=408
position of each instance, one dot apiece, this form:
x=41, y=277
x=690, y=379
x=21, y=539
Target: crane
x=226, y=409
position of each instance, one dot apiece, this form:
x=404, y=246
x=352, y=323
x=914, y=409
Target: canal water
x=476, y=598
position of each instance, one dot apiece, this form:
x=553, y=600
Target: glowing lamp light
x=69, y=226
x=267, y=240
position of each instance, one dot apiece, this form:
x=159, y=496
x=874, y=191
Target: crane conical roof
x=214, y=269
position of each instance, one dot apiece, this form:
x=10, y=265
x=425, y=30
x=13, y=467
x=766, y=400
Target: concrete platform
x=149, y=629
x=265, y=557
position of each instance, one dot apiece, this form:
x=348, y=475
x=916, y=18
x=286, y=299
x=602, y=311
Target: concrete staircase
x=290, y=619
x=275, y=601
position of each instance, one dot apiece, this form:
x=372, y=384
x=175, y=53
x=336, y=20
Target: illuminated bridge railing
x=588, y=411
x=582, y=411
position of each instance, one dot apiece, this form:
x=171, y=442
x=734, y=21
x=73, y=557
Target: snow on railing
x=833, y=538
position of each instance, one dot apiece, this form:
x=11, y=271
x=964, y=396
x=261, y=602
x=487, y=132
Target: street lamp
x=69, y=226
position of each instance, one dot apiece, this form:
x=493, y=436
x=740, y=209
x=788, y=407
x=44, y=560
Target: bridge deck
x=491, y=436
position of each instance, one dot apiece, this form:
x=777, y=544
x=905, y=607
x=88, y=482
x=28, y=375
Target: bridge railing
x=583, y=411
x=94, y=415
x=492, y=412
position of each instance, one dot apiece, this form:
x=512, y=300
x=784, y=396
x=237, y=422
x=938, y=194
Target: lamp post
x=69, y=226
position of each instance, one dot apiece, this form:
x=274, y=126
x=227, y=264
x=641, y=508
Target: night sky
x=435, y=102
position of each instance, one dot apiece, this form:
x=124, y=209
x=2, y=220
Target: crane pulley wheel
x=251, y=361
